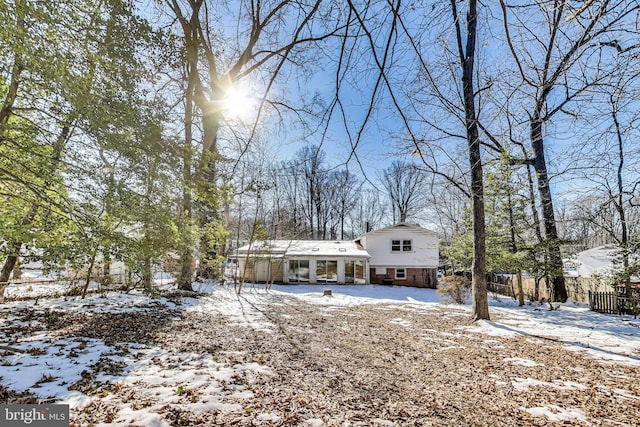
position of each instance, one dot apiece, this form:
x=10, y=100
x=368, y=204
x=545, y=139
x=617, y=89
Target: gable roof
x=402, y=226
x=316, y=248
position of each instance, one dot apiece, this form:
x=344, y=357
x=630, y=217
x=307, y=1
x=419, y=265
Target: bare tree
x=614, y=167
x=479, y=304
x=369, y=211
x=269, y=37
x=560, y=48
x=405, y=185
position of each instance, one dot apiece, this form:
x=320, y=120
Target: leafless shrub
x=454, y=289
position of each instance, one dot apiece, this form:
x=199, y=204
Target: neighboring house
x=300, y=261
x=601, y=261
x=402, y=254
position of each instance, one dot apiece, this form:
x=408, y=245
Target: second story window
x=401, y=246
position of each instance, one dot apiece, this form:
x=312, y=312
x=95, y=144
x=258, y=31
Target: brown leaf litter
x=367, y=365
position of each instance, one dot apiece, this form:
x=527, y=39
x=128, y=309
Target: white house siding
x=311, y=251
x=420, y=264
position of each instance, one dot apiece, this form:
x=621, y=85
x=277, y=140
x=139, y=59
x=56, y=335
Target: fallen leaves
x=362, y=365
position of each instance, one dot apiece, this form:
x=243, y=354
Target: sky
x=159, y=372
x=384, y=129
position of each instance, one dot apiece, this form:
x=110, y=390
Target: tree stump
x=327, y=292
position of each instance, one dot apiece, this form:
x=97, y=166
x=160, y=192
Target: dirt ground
x=367, y=365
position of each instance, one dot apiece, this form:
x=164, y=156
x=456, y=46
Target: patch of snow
x=521, y=362
x=269, y=417
x=625, y=394
x=75, y=399
x=143, y=417
x=556, y=413
x=401, y=322
x=523, y=384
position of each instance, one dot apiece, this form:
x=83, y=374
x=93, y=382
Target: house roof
x=599, y=261
x=315, y=248
x=402, y=226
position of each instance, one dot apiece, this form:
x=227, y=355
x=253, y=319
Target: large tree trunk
x=10, y=263
x=186, y=257
x=554, y=267
x=12, y=92
x=479, y=303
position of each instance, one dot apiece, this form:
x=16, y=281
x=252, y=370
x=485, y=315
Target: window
x=401, y=246
x=401, y=273
x=354, y=271
x=298, y=270
x=326, y=271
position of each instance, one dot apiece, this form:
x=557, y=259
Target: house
x=601, y=261
x=300, y=261
x=402, y=254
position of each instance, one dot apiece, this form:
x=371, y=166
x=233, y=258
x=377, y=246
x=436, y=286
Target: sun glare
x=238, y=103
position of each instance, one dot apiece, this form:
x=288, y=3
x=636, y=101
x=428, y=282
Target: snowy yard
x=367, y=355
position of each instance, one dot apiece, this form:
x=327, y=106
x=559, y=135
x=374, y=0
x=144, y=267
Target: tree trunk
x=520, y=290
x=186, y=257
x=554, y=267
x=514, y=246
x=146, y=278
x=10, y=263
x=479, y=303
x=12, y=92
x=12, y=259
x=619, y=205
x=89, y=271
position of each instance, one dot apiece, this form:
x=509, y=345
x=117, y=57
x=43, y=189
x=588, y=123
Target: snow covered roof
x=597, y=261
x=315, y=248
x=403, y=226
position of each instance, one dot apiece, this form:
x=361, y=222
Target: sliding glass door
x=327, y=271
x=354, y=271
x=299, y=270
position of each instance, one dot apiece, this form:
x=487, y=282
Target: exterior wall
x=278, y=272
x=260, y=271
x=415, y=277
x=420, y=263
x=424, y=245
x=313, y=264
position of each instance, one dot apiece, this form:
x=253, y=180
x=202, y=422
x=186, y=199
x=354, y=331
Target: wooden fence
x=614, y=303
x=604, y=302
x=499, y=288
x=597, y=292
x=578, y=288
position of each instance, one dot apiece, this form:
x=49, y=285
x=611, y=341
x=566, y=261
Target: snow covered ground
x=605, y=337
x=45, y=363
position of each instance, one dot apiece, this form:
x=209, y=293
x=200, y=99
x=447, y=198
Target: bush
x=454, y=289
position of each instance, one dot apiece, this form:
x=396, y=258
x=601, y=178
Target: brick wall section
x=416, y=277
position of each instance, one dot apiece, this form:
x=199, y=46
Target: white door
x=262, y=271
